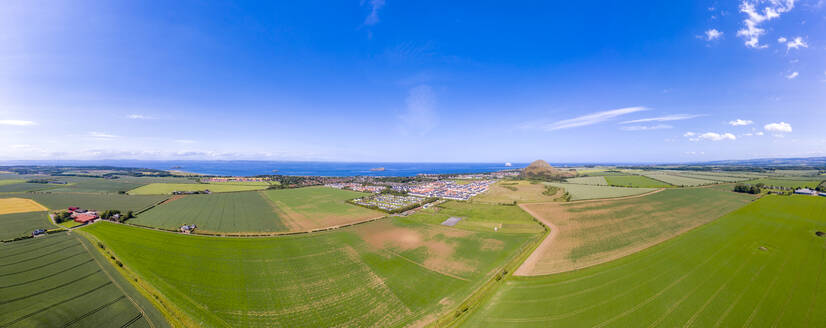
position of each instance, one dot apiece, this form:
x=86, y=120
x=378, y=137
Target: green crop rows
x=581, y=192
x=761, y=265
x=55, y=201
x=60, y=281
x=220, y=212
x=20, y=224
x=634, y=181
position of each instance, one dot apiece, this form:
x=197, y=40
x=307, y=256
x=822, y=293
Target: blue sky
x=374, y=80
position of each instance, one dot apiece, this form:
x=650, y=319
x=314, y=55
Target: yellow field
x=19, y=205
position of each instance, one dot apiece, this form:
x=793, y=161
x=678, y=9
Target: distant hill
x=540, y=169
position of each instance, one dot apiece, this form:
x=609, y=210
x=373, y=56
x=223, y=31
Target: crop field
x=386, y=273
x=21, y=224
x=713, y=177
x=96, y=201
x=236, y=212
x=4, y=182
x=168, y=188
x=19, y=205
x=506, y=192
x=678, y=180
x=481, y=217
x=24, y=187
x=598, y=231
x=589, y=180
x=94, y=185
x=634, y=181
x=60, y=281
x=788, y=183
x=246, y=183
x=318, y=207
x=761, y=265
x=582, y=192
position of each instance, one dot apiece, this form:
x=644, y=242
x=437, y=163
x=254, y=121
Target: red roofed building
x=84, y=217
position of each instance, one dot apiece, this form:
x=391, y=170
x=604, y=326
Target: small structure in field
x=38, y=232
x=452, y=221
x=188, y=228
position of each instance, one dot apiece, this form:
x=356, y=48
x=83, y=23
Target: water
x=248, y=168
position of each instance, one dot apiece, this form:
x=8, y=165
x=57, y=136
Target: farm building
x=85, y=217
x=805, y=191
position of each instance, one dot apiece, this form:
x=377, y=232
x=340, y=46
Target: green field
x=4, y=182
x=61, y=281
x=582, y=192
x=681, y=181
x=787, y=183
x=761, y=265
x=236, y=212
x=21, y=224
x=24, y=187
x=318, y=207
x=589, y=180
x=94, y=185
x=634, y=181
x=713, y=176
x=385, y=273
x=168, y=188
x=55, y=201
x=481, y=217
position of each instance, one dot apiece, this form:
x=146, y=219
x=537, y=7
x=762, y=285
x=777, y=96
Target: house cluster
x=389, y=202
x=807, y=191
x=82, y=216
x=488, y=175
x=356, y=187
x=236, y=179
x=450, y=190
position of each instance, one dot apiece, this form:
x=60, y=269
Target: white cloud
x=373, y=17
x=713, y=34
x=17, y=122
x=591, y=119
x=675, y=117
x=420, y=115
x=796, y=44
x=752, y=31
x=138, y=117
x=713, y=136
x=101, y=135
x=778, y=127
x=781, y=39
x=739, y=122
x=753, y=134
x=689, y=134
x=792, y=75
x=646, y=127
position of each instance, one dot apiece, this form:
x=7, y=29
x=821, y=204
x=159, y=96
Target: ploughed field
x=61, y=281
x=592, y=232
x=391, y=272
x=761, y=265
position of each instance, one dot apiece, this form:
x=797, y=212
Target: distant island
x=377, y=169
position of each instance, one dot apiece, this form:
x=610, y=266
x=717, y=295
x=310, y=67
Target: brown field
x=19, y=205
x=587, y=233
x=510, y=191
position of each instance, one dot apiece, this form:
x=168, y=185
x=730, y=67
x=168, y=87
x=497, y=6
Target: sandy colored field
x=593, y=232
x=509, y=191
x=19, y=205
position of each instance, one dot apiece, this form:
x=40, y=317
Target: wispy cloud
x=185, y=141
x=713, y=34
x=17, y=122
x=674, y=117
x=781, y=127
x=712, y=136
x=375, y=6
x=646, y=127
x=792, y=75
x=101, y=135
x=739, y=122
x=592, y=119
x=420, y=115
x=139, y=117
x=752, y=31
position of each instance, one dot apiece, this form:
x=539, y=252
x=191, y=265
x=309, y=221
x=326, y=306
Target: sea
x=250, y=168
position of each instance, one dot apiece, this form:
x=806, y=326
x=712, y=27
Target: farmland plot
x=237, y=212
x=595, y=181
x=59, y=281
x=384, y=273
x=55, y=201
x=515, y=191
x=761, y=265
x=582, y=192
x=635, y=181
x=169, y=188
x=788, y=183
x=318, y=207
x=21, y=224
x=678, y=180
x=598, y=231
x=19, y=205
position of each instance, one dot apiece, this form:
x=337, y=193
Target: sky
x=413, y=81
